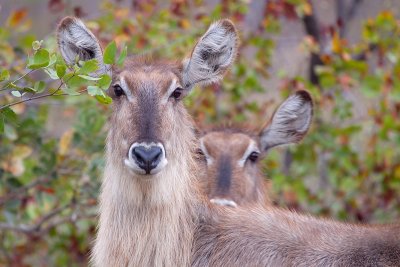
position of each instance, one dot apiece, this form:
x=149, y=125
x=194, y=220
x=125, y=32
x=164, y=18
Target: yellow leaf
x=15, y=162
x=21, y=151
x=121, y=13
x=65, y=142
x=185, y=23
x=336, y=43
x=121, y=39
x=16, y=17
x=397, y=172
x=307, y=9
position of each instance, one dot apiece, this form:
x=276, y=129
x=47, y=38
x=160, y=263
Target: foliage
x=348, y=167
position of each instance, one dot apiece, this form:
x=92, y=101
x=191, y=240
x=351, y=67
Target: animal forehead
x=149, y=78
x=234, y=144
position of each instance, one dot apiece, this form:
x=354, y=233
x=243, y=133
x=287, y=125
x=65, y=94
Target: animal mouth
x=224, y=202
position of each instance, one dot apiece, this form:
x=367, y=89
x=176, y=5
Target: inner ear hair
x=75, y=40
x=213, y=54
x=290, y=122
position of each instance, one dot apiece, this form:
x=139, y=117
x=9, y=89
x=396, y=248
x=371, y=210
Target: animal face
x=232, y=168
x=147, y=111
x=232, y=173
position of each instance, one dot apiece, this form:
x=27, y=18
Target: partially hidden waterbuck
x=232, y=175
x=152, y=211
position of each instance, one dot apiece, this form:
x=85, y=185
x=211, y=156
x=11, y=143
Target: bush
x=347, y=168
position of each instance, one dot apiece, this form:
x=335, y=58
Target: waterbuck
x=152, y=211
x=232, y=174
x=232, y=177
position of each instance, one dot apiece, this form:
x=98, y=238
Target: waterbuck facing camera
x=150, y=171
x=147, y=94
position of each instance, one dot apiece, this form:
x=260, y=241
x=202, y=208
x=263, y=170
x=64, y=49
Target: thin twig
x=22, y=190
x=29, y=229
x=42, y=96
x=45, y=223
x=13, y=82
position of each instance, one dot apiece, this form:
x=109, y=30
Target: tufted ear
x=213, y=54
x=75, y=40
x=290, y=122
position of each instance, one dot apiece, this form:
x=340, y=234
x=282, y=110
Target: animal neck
x=148, y=222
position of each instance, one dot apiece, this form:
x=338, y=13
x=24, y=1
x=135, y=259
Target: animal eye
x=253, y=156
x=118, y=91
x=177, y=93
x=200, y=154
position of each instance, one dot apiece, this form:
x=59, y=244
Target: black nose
x=147, y=158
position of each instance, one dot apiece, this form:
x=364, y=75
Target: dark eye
x=118, y=91
x=177, y=93
x=253, y=157
x=200, y=154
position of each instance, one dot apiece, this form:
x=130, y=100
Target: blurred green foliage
x=348, y=167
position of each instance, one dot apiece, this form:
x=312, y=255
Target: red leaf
x=56, y=5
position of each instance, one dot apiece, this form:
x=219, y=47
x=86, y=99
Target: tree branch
x=22, y=190
x=311, y=27
x=345, y=16
x=13, y=82
x=45, y=224
x=42, y=96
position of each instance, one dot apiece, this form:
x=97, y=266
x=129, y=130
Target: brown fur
x=232, y=175
x=163, y=220
x=277, y=237
x=248, y=186
x=147, y=222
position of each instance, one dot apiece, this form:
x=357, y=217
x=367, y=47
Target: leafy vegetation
x=53, y=119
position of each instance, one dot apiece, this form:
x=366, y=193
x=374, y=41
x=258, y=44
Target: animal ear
x=75, y=40
x=290, y=122
x=213, y=54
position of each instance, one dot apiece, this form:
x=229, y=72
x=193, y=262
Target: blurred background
x=345, y=52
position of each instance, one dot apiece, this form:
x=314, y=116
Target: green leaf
x=13, y=85
x=52, y=73
x=39, y=60
x=37, y=44
x=94, y=90
x=8, y=114
x=1, y=125
x=110, y=52
x=60, y=70
x=10, y=132
x=104, y=99
x=122, y=56
x=39, y=86
x=89, y=67
x=74, y=81
x=14, y=182
x=29, y=89
x=371, y=85
x=53, y=59
x=26, y=41
x=16, y=93
x=70, y=91
x=4, y=75
x=89, y=78
x=327, y=80
x=104, y=82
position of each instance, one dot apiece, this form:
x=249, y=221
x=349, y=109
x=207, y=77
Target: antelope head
x=149, y=121
x=233, y=175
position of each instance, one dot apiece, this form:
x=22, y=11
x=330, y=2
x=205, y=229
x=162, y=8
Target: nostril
x=147, y=157
x=154, y=154
x=138, y=155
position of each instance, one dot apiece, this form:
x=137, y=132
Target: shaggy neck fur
x=148, y=222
